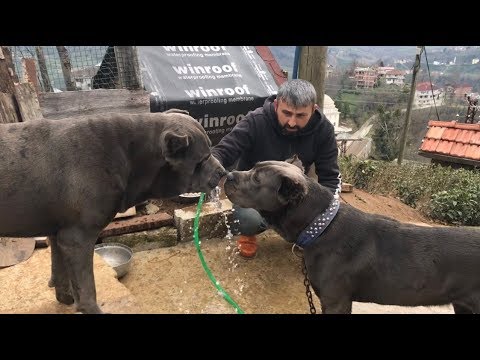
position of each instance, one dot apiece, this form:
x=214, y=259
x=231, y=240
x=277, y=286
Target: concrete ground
x=24, y=288
x=172, y=280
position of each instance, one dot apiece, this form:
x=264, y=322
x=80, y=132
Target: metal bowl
x=118, y=256
x=188, y=198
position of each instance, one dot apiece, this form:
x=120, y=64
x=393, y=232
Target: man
x=288, y=123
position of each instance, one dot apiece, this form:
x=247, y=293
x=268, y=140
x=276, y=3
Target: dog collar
x=318, y=225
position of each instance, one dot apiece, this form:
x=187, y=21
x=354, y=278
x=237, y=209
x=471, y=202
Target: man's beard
x=286, y=132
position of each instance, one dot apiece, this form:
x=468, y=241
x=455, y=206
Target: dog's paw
x=64, y=297
x=90, y=309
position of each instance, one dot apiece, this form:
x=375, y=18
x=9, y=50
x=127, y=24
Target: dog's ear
x=295, y=160
x=291, y=190
x=173, y=145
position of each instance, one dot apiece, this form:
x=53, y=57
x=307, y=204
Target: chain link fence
x=73, y=68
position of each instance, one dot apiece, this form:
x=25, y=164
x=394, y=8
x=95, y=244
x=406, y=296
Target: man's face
x=292, y=119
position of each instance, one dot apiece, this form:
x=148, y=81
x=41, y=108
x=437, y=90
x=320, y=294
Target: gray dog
x=359, y=256
x=67, y=179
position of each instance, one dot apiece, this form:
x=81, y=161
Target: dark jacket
x=259, y=137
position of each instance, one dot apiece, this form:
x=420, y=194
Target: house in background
x=383, y=70
x=396, y=77
x=427, y=95
x=452, y=143
x=459, y=91
x=365, y=77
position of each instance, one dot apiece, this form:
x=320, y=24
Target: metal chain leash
x=306, y=282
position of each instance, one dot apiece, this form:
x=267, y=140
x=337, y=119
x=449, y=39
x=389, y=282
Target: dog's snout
x=217, y=177
x=230, y=177
x=222, y=172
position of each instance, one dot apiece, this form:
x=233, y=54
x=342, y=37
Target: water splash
x=231, y=247
x=338, y=190
x=215, y=196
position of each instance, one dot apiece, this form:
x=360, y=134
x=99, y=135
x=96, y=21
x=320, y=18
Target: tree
x=47, y=84
x=353, y=66
x=386, y=134
x=66, y=65
x=346, y=111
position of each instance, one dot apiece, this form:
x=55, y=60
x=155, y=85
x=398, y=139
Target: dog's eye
x=197, y=168
x=200, y=164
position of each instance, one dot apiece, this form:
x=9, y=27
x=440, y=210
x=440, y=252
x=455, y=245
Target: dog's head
x=268, y=186
x=186, y=149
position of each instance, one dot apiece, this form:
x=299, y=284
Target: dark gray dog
x=359, y=256
x=68, y=178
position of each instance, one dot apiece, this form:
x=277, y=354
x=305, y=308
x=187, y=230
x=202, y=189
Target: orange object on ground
x=247, y=246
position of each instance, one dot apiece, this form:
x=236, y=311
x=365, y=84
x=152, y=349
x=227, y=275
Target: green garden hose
x=204, y=264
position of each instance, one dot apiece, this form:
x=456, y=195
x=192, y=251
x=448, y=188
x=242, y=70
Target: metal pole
x=296, y=60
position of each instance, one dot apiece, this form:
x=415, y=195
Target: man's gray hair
x=297, y=93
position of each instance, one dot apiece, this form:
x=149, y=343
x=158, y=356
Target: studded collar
x=318, y=225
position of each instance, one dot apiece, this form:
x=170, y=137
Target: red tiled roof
x=452, y=139
x=425, y=86
x=272, y=64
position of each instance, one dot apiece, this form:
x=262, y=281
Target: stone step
x=211, y=221
x=146, y=240
x=139, y=223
